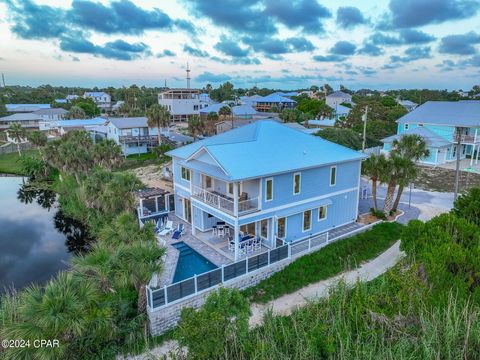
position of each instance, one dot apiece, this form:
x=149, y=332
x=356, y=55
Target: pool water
x=190, y=263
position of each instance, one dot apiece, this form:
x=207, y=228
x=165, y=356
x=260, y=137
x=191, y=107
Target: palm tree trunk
x=389, y=198
x=399, y=195
x=159, y=135
x=142, y=300
x=18, y=148
x=374, y=193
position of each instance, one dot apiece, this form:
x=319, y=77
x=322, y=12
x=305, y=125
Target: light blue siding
x=177, y=172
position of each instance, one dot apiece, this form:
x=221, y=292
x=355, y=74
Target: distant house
x=25, y=108
x=341, y=111
x=70, y=98
x=61, y=101
x=250, y=100
x=51, y=114
x=407, y=104
x=437, y=122
x=27, y=120
x=176, y=138
x=267, y=103
x=338, y=97
x=100, y=98
x=61, y=127
x=321, y=124
x=182, y=103
x=243, y=111
x=132, y=134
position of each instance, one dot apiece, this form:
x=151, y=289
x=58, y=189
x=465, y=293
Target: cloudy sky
x=273, y=43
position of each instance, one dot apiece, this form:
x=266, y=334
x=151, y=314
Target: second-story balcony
x=468, y=139
x=225, y=203
x=138, y=138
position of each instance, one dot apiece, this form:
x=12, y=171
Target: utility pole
x=457, y=163
x=364, y=119
x=3, y=79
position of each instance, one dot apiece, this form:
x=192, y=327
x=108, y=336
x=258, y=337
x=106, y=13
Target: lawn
x=329, y=261
x=139, y=160
x=11, y=163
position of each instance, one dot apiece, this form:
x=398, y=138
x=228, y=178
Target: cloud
x=166, y=53
x=195, y=52
x=343, y=48
x=412, y=54
x=328, y=58
x=215, y=78
x=473, y=61
x=392, y=66
x=242, y=16
x=371, y=50
x=237, y=61
x=303, y=14
x=118, y=50
x=460, y=44
x=272, y=47
x=349, y=16
x=230, y=47
x=405, y=37
x=414, y=13
x=300, y=44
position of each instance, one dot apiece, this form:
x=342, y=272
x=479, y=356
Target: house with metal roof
x=100, y=98
x=337, y=98
x=243, y=111
x=61, y=127
x=272, y=101
x=448, y=128
x=265, y=181
x=133, y=134
x=18, y=108
x=51, y=114
x=27, y=120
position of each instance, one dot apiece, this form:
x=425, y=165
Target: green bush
x=326, y=262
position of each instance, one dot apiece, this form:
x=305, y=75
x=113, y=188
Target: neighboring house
x=176, y=138
x=132, y=134
x=100, y=98
x=27, y=120
x=25, y=108
x=226, y=125
x=320, y=124
x=61, y=127
x=338, y=97
x=117, y=105
x=268, y=180
x=61, y=101
x=205, y=100
x=243, y=111
x=407, y=104
x=250, y=100
x=51, y=114
x=182, y=103
x=436, y=122
x=266, y=103
x=341, y=111
x=70, y=98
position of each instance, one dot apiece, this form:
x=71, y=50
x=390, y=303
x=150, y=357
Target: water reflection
x=36, y=238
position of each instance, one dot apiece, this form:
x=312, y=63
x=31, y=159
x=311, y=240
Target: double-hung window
x=307, y=220
x=185, y=174
x=296, y=183
x=269, y=189
x=322, y=213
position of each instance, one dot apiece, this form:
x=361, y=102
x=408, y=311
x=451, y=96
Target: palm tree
x=158, y=116
x=395, y=168
x=195, y=126
x=224, y=112
x=413, y=148
x=76, y=112
x=17, y=132
x=107, y=153
x=374, y=167
x=212, y=119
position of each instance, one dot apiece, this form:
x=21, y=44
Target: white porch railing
x=223, y=203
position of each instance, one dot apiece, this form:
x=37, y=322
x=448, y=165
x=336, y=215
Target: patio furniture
x=178, y=232
x=227, y=230
x=243, y=196
x=214, y=227
x=167, y=229
x=221, y=230
x=221, y=223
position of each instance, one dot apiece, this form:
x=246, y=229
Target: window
x=333, y=175
x=230, y=188
x=208, y=182
x=405, y=126
x=322, y=213
x=269, y=189
x=281, y=227
x=248, y=229
x=264, y=228
x=185, y=174
x=420, y=124
x=195, y=107
x=307, y=220
x=296, y=183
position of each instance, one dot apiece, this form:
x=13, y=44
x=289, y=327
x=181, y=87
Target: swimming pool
x=190, y=263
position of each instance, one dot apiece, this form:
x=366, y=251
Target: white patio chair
x=167, y=229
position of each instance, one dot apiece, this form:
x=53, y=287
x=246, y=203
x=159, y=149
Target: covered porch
x=153, y=204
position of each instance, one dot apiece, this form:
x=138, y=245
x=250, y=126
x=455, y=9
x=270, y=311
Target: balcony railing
x=224, y=203
x=468, y=139
x=138, y=138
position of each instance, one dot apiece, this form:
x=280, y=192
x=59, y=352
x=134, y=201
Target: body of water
x=36, y=239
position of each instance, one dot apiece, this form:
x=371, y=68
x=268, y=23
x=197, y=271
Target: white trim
x=266, y=188
x=299, y=183
x=330, y=177
x=181, y=173
x=209, y=153
x=303, y=221
x=177, y=185
x=326, y=212
x=281, y=207
x=260, y=187
x=193, y=199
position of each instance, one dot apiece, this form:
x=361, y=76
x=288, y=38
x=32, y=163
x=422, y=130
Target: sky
x=283, y=44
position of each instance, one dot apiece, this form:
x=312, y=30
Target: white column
x=236, y=232
x=273, y=234
x=473, y=148
x=194, y=230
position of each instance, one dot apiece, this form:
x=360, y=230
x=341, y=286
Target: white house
x=27, y=120
x=182, y=103
x=132, y=134
x=338, y=97
x=51, y=114
x=100, y=98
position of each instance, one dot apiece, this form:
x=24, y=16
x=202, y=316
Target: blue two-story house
x=442, y=124
x=133, y=134
x=268, y=180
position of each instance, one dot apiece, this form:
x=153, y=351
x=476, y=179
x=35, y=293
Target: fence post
x=289, y=250
x=309, y=243
x=246, y=264
x=166, y=294
x=195, y=282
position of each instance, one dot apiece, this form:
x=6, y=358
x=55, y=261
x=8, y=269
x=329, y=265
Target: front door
x=187, y=210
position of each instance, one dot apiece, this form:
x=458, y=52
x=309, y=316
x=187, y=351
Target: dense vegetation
x=329, y=261
x=426, y=307
x=98, y=306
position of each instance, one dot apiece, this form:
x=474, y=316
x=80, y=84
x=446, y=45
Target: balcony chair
x=167, y=229
x=178, y=232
